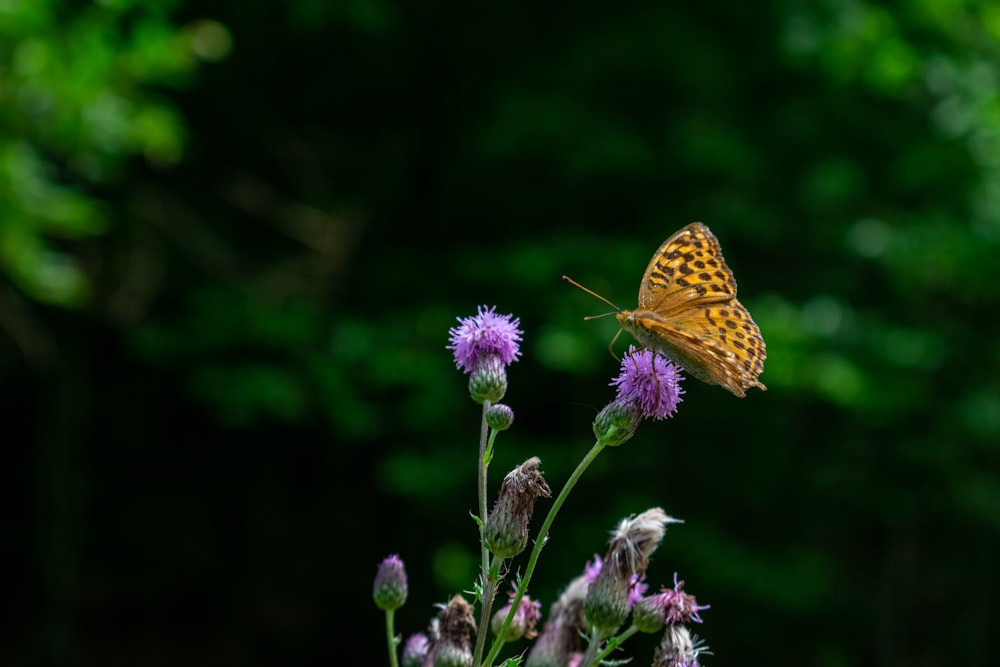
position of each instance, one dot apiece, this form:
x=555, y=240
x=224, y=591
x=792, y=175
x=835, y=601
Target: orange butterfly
x=688, y=312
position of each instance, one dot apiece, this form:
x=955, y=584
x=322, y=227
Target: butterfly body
x=688, y=312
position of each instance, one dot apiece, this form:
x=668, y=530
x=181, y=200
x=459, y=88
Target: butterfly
x=688, y=312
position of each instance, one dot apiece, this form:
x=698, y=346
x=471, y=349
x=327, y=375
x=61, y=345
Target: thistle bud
x=649, y=615
x=499, y=417
x=607, y=603
x=488, y=381
x=506, y=529
x=390, y=587
x=616, y=423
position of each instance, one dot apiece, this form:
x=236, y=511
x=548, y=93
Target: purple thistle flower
x=649, y=383
x=415, y=650
x=483, y=335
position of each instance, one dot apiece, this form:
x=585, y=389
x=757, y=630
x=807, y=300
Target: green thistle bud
x=606, y=604
x=390, y=588
x=648, y=615
x=499, y=417
x=506, y=529
x=616, y=422
x=488, y=382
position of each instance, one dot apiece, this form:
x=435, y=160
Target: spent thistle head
x=614, y=589
x=452, y=646
x=506, y=529
x=678, y=648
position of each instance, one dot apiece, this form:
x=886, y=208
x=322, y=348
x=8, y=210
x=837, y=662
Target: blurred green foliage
x=233, y=239
x=82, y=95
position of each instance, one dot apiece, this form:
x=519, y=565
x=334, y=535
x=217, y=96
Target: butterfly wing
x=733, y=358
x=687, y=270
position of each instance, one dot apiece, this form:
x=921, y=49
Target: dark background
x=233, y=237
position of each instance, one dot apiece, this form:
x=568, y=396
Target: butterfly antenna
x=593, y=293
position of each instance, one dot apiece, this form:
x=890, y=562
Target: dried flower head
x=506, y=529
x=679, y=648
x=390, y=587
x=453, y=645
x=637, y=537
x=650, y=383
x=610, y=596
x=485, y=334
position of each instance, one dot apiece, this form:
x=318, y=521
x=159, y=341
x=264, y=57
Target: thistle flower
x=485, y=334
x=390, y=587
x=648, y=387
x=649, y=383
x=528, y=613
x=506, y=529
x=415, y=649
x=669, y=606
x=678, y=648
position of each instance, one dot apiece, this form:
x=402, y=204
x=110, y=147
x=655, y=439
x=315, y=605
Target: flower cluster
x=592, y=616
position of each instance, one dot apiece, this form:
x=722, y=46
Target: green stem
x=543, y=536
x=390, y=635
x=487, y=588
x=615, y=642
x=590, y=657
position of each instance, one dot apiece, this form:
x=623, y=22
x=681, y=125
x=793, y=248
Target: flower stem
x=590, y=657
x=390, y=635
x=487, y=585
x=615, y=642
x=543, y=536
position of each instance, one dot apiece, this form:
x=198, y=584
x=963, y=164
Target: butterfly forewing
x=687, y=269
x=688, y=312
